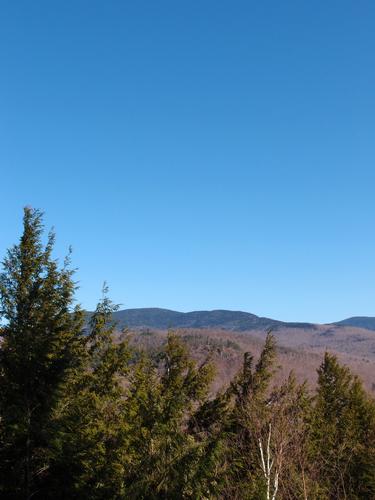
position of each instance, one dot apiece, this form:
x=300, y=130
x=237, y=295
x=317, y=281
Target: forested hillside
x=88, y=413
x=226, y=351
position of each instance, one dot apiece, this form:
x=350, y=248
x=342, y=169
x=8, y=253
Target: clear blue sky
x=197, y=155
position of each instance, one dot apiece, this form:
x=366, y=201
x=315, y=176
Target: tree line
x=84, y=415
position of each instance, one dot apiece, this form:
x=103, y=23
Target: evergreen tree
x=263, y=431
x=167, y=459
x=234, y=468
x=90, y=446
x=40, y=338
x=248, y=422
x=343, y=434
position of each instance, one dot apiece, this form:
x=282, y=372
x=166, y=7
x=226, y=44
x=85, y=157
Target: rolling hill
x=366, y=322
x=219, y=319
x=301, y=345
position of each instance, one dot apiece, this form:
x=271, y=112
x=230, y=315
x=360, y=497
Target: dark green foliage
x=343, y=433
x=167, y=459
x=89, y=451
x=39, y=341
x=249, y=420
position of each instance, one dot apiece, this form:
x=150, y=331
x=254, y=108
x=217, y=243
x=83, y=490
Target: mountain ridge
x=366, y=322
x=226, y=319
x=354, y=345
x=217, y=318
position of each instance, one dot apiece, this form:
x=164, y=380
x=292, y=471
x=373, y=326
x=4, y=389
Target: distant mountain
x=366, y=322
x=353, y=339
x=218, y=319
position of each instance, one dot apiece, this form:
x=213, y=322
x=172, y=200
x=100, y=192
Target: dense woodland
x=86, y=416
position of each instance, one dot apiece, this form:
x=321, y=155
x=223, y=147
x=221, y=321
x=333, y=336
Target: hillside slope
x=226, y=349
x=359, y=321
x=301, y=344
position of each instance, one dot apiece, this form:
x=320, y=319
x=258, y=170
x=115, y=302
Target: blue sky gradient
x=197, y=155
